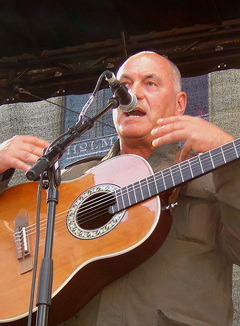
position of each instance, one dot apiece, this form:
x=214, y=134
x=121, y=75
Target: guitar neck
x=175, y=175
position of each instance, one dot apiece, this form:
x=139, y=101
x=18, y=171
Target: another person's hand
x=19, y=151
x=197, y=134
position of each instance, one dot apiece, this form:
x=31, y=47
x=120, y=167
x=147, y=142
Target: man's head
x=156, y=82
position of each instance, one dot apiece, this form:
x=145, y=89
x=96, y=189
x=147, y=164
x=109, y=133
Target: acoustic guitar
x=107, y=223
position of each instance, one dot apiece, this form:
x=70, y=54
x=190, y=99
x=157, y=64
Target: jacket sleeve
x=4, y=179
x=227, y=183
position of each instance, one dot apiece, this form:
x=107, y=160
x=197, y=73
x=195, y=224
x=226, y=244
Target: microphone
x=127, y=101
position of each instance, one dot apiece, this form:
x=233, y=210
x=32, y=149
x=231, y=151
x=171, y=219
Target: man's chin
x=137, y=135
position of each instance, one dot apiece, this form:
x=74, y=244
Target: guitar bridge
x=22, y=244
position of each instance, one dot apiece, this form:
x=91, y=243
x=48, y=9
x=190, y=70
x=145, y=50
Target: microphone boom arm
x=49, y=159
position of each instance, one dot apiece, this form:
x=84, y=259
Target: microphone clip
x=127, y=100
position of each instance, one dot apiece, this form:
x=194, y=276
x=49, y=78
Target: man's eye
x=151, y=84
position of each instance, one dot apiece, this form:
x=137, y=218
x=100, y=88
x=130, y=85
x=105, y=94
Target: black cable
x=36, y=250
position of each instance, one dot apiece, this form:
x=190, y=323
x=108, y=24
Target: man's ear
x=181, y=99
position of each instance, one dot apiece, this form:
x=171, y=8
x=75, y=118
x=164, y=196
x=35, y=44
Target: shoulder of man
x=78, y=168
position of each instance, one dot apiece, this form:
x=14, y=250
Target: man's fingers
x=20, y=150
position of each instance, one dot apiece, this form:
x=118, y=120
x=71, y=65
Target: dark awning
x=54, y=48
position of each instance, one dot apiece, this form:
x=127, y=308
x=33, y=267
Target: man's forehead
x=142, y=76
x=142, y=72
x=144, y=66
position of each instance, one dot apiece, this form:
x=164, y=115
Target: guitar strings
x=102, y=198
x=158, y=176
x=63, y=226
x=95, y=204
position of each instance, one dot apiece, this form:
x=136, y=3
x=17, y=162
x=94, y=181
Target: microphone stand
x=43, y=300
x=49, y=162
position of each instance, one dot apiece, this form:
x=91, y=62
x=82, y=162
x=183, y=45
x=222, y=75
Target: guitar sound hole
x=93, y=212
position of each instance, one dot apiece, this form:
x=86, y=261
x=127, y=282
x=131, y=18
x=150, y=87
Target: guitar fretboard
x=175, y=175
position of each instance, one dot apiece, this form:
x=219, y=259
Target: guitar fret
x=185, y=170
x=177, y=174
x=127, y=201
x=128, y=195
x=131, y=195
x=138, y=191
x=124, y=197
x=172, y=176
x=149, y=192
x=134, y=192
x=223, y=155
x=211, y=159
x=206, y=161
x=218, y=157
x=118, y=198
x=145, y=190
x=141, y=189
x=200, y=163
x=231, y=152
x=163, y=179
x=168, y=179
x=195, y=166
x=160, y=182
x=153, y=188
x=190, y=168
x=235, y=149
x=237, y=142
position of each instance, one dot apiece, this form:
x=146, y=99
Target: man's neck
x=139, y=149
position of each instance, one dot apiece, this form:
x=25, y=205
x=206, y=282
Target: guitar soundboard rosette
x=88, y=217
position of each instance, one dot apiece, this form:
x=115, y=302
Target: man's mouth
x=136, y=113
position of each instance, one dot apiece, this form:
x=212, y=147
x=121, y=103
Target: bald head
x=176, y=75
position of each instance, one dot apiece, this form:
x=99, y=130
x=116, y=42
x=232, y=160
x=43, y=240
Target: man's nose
x=137, y=89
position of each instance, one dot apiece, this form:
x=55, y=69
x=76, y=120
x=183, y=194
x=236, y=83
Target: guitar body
x=82, y=267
